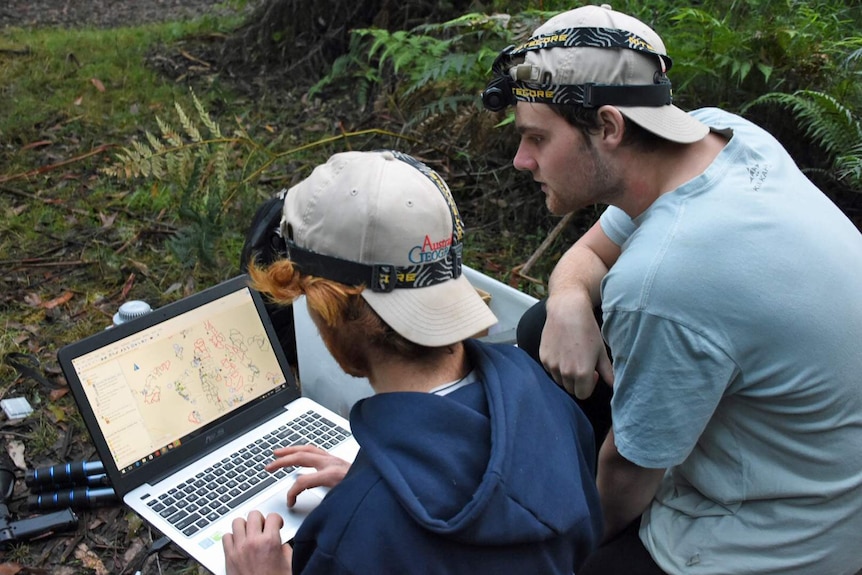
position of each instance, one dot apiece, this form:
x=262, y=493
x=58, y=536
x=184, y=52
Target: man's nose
x=523, y=160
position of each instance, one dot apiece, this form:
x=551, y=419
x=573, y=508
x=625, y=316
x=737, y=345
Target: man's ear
x=613, y=126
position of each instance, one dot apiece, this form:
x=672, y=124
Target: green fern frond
x=204, y=177
x=211, y=126
x=172, y=164
x=441, y=106
x=824, y=119
x=191, y=130
x=155, y=143
x=141, y=156
x=849, y=166
x=170, y=135
x=220, y=168
x=853, y=57
x=240, y=132
x=472, y=19
x=186, y=168
x=828, y=123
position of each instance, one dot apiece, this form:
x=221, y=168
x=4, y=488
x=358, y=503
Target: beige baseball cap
x=597, y=46
x=384, y=220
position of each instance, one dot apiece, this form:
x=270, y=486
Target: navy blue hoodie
x=496, y=477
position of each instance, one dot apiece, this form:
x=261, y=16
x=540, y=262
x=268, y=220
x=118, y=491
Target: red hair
x=348, y=322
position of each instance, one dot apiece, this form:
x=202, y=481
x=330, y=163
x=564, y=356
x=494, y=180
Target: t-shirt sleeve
x=617, y=225
x=667, y=386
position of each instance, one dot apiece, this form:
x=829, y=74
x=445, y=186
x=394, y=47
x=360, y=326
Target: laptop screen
x=154, y=390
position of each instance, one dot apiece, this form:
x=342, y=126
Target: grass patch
x=70, y=98
x=73, y=81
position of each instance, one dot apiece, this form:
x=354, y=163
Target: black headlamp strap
x=377, y=277
x=387, y=277
x=595, y=95
x=589, y=38
x=329, y=267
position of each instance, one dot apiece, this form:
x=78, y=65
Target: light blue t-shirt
x=734, y=314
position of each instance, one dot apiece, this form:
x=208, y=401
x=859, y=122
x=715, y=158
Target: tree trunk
x=300, y=39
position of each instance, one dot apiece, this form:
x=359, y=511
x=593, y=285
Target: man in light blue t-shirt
x=731, y=292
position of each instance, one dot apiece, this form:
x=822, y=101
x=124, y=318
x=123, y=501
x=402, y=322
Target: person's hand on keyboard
x=330, y=469
x=254, y=546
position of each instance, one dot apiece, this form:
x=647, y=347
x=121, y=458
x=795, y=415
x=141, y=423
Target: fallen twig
x=188, y=56
x=94, y=152
x=43, y=263
x=16, y=52
x=522, y=270
x=30, y=196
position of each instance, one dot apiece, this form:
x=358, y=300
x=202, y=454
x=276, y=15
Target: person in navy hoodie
x=472, y=460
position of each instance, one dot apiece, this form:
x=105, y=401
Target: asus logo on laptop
x=214, y=435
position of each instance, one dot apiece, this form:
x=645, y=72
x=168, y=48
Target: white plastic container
x=130, y=310
x=323, y=381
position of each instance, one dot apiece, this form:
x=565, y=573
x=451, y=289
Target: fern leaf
x=828, y=123
x=141, y=157
x=155, y=143
x=187, y=167
x=170, y=135
x=220, y=170
x=190, y=129
x=172, y=165
x=211, y=126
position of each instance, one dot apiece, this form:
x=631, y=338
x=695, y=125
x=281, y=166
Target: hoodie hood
x=490, y=463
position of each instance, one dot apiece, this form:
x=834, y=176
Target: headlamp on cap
x=498, y=95
x=519, y=83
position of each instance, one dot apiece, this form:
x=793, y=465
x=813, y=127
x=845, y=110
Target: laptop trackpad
x=305, y=502
x=293, y=516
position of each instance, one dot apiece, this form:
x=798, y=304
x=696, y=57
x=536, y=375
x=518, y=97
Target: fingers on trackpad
x=305, y=502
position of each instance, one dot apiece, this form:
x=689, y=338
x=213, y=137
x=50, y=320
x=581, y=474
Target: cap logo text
x=639, y=43
x=543, y=41
x=430, y=251
x=530, y=93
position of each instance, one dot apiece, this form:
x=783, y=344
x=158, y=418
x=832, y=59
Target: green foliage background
x=789, y=65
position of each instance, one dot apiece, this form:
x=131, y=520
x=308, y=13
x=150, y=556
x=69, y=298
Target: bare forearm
x=581, y=269
x=572, y=349
x=585, y=264
x=625, y=489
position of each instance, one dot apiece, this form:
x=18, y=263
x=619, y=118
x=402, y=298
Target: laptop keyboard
x=215, y=491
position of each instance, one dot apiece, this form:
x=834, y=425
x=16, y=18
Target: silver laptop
x=185, y=406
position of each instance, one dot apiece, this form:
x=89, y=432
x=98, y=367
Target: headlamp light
x=498, y=95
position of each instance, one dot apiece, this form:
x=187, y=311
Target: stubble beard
x=601, y=186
